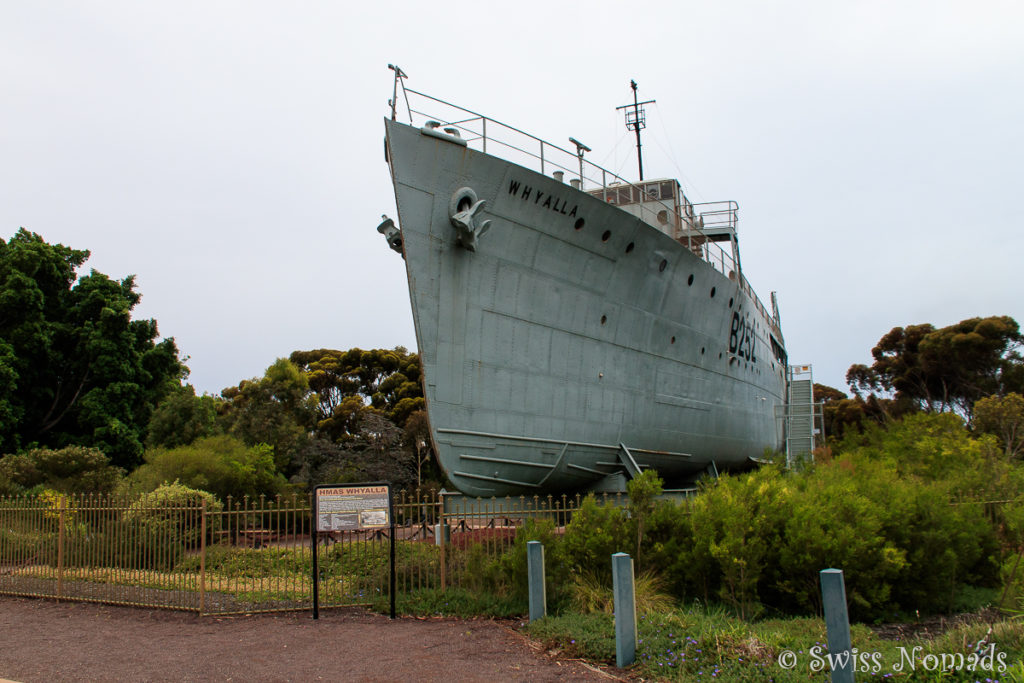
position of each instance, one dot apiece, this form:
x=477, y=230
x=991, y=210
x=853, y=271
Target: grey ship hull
x=574, y=336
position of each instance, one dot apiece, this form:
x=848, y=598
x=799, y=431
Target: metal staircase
x=803, y=420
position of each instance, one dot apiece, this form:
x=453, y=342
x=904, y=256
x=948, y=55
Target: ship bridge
x=662, y=204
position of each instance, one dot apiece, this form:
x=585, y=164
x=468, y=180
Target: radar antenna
x=635, y=122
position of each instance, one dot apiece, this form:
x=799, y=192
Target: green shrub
x=833, y=521
x=154, y=532
x=760, y=539
x=512, y=566
x=946, y=547
x=71, y=470
x=737, y=522
x=937, y=449
x=594, y=534
x=28, y=547
x=159, y=527
x=642, y=490
x=221, y=465
x=911, y=472
x=17, y=473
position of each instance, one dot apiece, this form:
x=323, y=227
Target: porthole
x=673, y=340
x=689, y=280
x=730, y=302
x=606, y=235
x=629, y=247
x=604, y=319
x=702, y=350
x=662, y=266
x=579, y=224
x=713, y=292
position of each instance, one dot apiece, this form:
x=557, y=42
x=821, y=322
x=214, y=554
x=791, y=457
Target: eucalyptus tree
x=349, y=382
x=945, y=369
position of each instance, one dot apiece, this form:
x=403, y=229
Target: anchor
x=464, y=220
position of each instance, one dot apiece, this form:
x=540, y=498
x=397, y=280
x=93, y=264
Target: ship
x=574, y=328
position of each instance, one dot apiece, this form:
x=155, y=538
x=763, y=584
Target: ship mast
x=635, y=121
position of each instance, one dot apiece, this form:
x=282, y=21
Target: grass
x=590, y=594
x=146, y=578
x=455, y=602
x=700, y=644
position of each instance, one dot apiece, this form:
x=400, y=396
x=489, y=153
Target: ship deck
x=698, y=226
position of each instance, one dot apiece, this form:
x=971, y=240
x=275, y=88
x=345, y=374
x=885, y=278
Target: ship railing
x=718, y=214
x=519, y=147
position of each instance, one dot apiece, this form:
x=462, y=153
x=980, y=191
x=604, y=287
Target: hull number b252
x=742, y=341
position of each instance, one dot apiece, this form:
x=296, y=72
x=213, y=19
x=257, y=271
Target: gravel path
x=48, y=641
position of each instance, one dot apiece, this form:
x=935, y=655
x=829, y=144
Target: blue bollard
x=837, y=624
x=625, y=609
x=535, y=574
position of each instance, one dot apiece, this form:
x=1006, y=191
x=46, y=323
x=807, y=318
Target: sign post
x=351, y=507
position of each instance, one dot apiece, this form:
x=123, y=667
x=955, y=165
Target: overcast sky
x=230, y=154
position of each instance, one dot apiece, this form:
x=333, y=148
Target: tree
x=276, y=409
x=835, y=413
x=1003, y=417
x=843, y=414
x=945, y=369
x=181, y=418
x=897, y=365
x=357, y=400
x=975, y=358
x=374, y=453
x=343, y=423
x=75, y=369
x=416, y=438
x=386, y=379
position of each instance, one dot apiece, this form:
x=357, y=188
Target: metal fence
x=251, y=555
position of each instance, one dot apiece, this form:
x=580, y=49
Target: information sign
x=351, y=508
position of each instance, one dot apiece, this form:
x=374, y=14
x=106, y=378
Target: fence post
x=625, y=609
x=535, y=574
x=440, y=535
x=837, y=624
x=60, y=546
x=202, y=557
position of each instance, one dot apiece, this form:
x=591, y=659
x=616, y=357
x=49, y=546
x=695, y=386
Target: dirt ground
x=41, y=640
